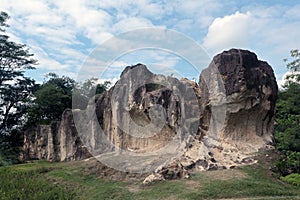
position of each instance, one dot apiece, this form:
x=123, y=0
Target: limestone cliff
x=142, y=118
x=238, y=93
x=58, y=141
x=249, y=91
x=162, y=124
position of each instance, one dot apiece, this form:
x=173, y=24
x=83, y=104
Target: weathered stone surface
x=58, y=141
x=170, y=126
x=138, y=117
x=41, y=142
x=249, y=101
x=153, y=178
x=237, y=95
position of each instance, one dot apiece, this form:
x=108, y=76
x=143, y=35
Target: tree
x=83, y=92
x=287, y=129
x=15, y=87
x=294, y=67
x=51, y=99
x=57, y=93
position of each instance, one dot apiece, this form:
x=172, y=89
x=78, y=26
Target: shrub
x=292, y=179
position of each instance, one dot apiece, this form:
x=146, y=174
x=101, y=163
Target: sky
x=70, y=37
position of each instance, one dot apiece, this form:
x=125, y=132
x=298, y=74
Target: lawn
x=79, y=180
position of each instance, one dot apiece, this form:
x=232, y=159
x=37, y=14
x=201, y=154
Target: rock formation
x=250, y=94
x=162, y=124
x=237, y=100
x=58, y=141
x=144, y=117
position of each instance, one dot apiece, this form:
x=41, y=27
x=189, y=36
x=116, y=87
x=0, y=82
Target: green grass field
x=72, y=180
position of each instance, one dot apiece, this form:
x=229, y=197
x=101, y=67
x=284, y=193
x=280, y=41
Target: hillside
x=89, y=180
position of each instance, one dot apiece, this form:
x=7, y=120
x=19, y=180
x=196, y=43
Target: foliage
x=51, y=99
x=15, y=90
x=292, y=178
x=294, y=67
x=83, y=92
x=59, y=93
x=287, y=129
x=10, y=148
x=15, y=87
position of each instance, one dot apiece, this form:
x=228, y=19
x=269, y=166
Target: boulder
x=248, y=91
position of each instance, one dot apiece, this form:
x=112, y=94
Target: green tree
x=287, y=129
x=294, y=67
x=83, y=92
x=15, y=88
x=59, y=93
x=51, y=99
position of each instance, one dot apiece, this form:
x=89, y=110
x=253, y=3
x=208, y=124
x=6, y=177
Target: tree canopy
x=287, y=129
x=83, y=92
x=15, y=87
x=50, y=99
x=15, y=90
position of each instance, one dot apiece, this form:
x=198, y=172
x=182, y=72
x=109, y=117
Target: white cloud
x=283, y=78
x=20, y=7
x=131, y=23
x=150, y=9
x=265, y=30
x=293, y=13
x=45, y=61
x=62, y=33
x=230, y=31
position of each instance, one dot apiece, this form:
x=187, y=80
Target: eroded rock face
x=58, y=141
x=237, y=101
x=144, y=117
x=249, y=92
x=169, y=126
x=41, y=142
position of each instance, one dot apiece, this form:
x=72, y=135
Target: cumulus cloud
x=63, y=33
x=271, y=32
x=229, y=31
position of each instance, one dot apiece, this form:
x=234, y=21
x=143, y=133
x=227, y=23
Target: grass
x=255, y=184
x=28, y=182
x=71, y=180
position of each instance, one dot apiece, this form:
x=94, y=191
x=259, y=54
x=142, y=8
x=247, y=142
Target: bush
x=292, y=179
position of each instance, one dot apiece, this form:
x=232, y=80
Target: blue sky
x=64, y=34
